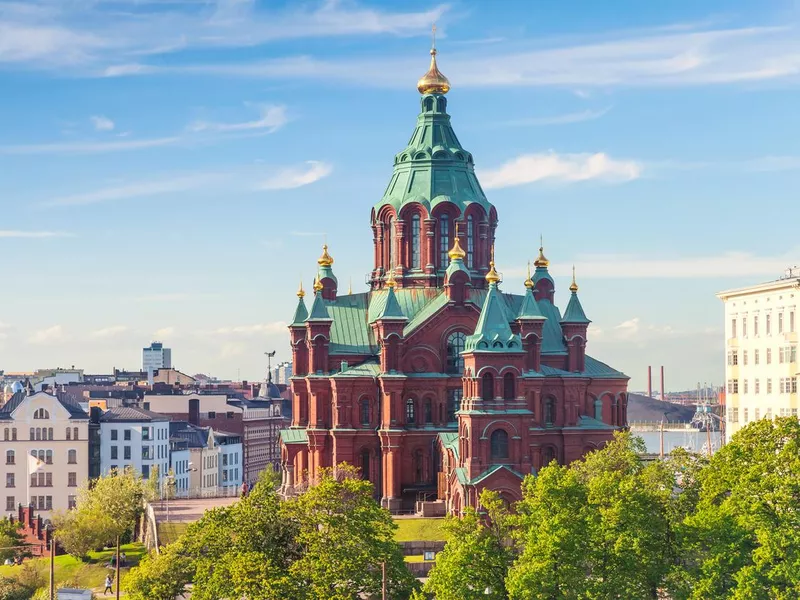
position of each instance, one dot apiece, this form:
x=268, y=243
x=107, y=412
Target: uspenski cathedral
x=439, y=382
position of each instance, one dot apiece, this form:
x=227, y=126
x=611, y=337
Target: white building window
x=733, y=327
x=744, y=326
x=755, y=325
x=744, y=357
x=746, y=417
x=780, y=322
x=756, y=386
x=755, y=356
x=769, y=385
x=769, y=356
x=744, y=386
x=769, y=324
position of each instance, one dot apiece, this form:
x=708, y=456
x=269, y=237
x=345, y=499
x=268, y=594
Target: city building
x=761, y=368
x=134, y=438
x=436, y=382
x=155, y=356
x=282, y=373
x=205, y=462
x=45, y=445
x=171, y=376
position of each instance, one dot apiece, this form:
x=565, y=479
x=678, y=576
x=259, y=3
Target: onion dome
x=433, y=82
x=318, y=287
x=574, y=285
x=326, y=260
x=529, y=281
x=301, y=293
x=492, y=276
x=456, y=252
x=541, y=260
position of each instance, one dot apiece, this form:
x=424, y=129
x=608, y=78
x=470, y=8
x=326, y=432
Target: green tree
x=158, y=577
x=11, y=589
x=744, y=539
x=477, y=555
x=9, y=537
x=345, y=537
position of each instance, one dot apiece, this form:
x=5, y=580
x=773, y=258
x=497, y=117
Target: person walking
x=108, y=585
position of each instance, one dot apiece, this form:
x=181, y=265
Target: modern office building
x=45, y=450
x=155, y=356
x=134, y=438
x=761, y=368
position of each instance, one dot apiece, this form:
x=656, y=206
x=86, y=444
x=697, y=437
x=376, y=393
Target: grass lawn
x=169, y=532
x=419, y=530
x=69, y=569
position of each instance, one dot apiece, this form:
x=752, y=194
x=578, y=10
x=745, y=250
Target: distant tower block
x=649, y=382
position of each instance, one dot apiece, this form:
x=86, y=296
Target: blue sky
x=169, y=169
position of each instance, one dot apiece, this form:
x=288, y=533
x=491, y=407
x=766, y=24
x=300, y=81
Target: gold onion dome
x=326, y=260
x=390, y=282
x=492, y=276
x=529, y=281
x=574, y=285
x=456, y=252
x=541, y=261
x=301, y=293
x=433, y=82
x=318, y=286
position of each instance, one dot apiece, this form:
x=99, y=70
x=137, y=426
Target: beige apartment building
x=45, y=451
x=761, y=369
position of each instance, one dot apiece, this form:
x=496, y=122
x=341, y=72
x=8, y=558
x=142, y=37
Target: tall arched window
x=49, y=433
x=48, y=457
x=5, y=434
x=13, y=434
x=549, y=411
x=499, y=444
x=509, y=387
x=42, y=456
x=487, y=387
x=548, y=455
x=470, y=241
x=453, y=404
x=10, y=457
x=390, y=236
x=365, y=464
x=444, y=240
x=415, y=226
x=428, y=411
x=74, y=433
x=72, y=457
x=411, y=414
x=38, y=433
x=69, y=432
x=365, y=411
x=419, y=467
x=455, y=346
x=598, y=409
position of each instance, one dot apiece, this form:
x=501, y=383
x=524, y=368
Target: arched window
x=10, y=457
x=470, y=241
x=411, y=416
x=444, y=240
x=13, y=434
x=428, y=411
x=453, y=404
x=365, y=411
x=41, y=414
x=49, y=433
x=549, y=411
x=33, y=433
x=509, y=387
x=5, y=434
x=42, y=456
x=69, y=433
x=415, y=226
x=419, y=467
x=48, y=457
x=365, y=464
x=38, y=433
x=487, y=387
x=455, y=346
x=499, y=444
x=390, y=227
x=598, y=409
x=72, y=457
x=74, y=433
x=548, y=455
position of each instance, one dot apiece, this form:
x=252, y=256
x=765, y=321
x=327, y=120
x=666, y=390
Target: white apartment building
x=761, y=370
x=154, y=357
x=134, y=438
x=44, y=446
x=205, y=462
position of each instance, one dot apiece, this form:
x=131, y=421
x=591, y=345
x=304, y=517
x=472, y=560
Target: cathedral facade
x=436, y=382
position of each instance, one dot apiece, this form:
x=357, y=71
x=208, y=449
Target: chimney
x=663, y=397
x=649, y=382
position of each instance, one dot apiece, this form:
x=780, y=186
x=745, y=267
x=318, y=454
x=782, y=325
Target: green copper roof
x=350, y=332
x=456, y=264
x=490, y=471
x=411, y=301
x=449, y=440
x=529, y=311
x=541, y=273
x=300, y=313
x=434, y=167
x=574, y=312
x=430, y=309
x=391, y=308
x=294, y=436
x=367, y=369
x=319, y=311
x=493, y=333
x=593, y=369
x=326, y=272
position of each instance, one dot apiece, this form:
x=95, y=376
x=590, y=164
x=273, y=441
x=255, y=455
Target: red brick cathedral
x=436, y=382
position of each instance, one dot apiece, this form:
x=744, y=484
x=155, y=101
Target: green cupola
x=574, y=311
x=493, y=331
x=301, y=312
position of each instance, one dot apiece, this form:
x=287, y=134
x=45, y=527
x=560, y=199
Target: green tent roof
x=391, y=308
x=319, y=310
x=574, y=312
x=300, y=313
x=529, y=310
x=493, y=332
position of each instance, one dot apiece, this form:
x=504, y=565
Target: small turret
x=318, y=330
x=574, y=326
x=389, y=326
x=457, y=276
x=543, y=285
x=530, y=322
x=325, y=275
x=493, y=332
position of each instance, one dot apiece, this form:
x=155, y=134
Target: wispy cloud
x=164, y=332
x=88, y=147
x=50, y=335
x=109, y=332
x=294, y=177
x=273, y=117
x=102, y=123
x=136, y=190
x=247, y=330
x=12, y=233
x=530, y=168
x=565, y=119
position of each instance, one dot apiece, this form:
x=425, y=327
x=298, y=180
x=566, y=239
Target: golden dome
x=541, y=261
x=318, y=286
x=326, y=260
x=390, y=282
x=529, y=281
x=492, y=276
x=456, y=252
x=433, y=82
x=300, y=291
x=574, y=286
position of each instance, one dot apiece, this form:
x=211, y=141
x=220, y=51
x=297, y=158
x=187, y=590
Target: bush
x=12, y=589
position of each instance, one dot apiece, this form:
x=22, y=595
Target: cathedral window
x=453, y=404
x=415, y=243
x=487, y=387
x=598, y=409
x=365, y=411
x=499, y=444
x=411, y=413
x=428, y=411
x=455, y=346
x=365, y=464
x=390, y=228
x=444, y=239
x=548, y=455
x=470, y=241
x=549, y=411
x=509, y=387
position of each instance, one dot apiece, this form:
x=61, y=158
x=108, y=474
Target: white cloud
x=530, y=168
x=135, y=190
x=109, y=332
x=49, y=335
x=231, y=349
x=102, y=123
x=164, y=332
x=273, y=117
x=15, y=233
x=295, y=177
x=565, y=119
x=248, y=330
x=87, y=147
